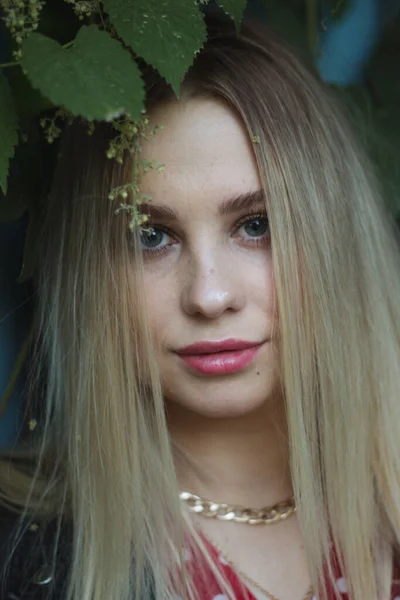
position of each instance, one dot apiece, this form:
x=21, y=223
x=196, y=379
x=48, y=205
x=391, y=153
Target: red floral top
x=209, y=588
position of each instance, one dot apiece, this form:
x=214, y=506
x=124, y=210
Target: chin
x=223, y=397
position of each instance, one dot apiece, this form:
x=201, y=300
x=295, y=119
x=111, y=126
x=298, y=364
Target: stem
x=68, y=44
x=101, y=16
x=14, y=64
x=10, y=64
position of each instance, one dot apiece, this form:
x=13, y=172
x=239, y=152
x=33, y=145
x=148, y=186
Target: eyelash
x=251, y=216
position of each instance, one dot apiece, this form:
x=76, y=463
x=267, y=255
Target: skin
x=213, y=280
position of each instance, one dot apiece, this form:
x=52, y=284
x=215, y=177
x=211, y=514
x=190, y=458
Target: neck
x=241, y=460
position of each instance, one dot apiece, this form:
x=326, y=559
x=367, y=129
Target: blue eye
x=155, y=240
x=256, y=227
x=152, y=238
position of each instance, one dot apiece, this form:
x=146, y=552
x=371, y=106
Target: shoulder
x=28, y=567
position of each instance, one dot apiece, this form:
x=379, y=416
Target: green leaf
x=165, y=34
x=8, y=130
x=96, y=78
x=234, y=8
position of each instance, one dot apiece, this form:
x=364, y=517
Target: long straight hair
x=102, y=455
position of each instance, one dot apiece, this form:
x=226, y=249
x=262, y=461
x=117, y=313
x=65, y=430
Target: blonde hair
x=103, y=453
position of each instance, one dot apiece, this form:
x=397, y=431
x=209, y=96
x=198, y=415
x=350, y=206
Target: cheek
x=262, y=296
x=260, y=285
x=161, y=302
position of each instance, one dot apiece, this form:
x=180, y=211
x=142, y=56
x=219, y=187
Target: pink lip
x=219, y=358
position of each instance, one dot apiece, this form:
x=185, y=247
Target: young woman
x=242, y=349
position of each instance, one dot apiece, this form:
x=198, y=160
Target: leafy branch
x=105, y=39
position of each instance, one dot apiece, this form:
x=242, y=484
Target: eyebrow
x=238, y=203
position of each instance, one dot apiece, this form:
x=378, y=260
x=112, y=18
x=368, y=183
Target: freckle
x=258, y=372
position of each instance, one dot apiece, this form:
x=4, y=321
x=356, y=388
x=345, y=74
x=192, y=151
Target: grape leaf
x=235, y=9
x=165, y=34
x=96, y=78
x=8, y=130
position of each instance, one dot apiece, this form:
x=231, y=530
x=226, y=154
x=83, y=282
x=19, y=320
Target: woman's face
x=208, y=262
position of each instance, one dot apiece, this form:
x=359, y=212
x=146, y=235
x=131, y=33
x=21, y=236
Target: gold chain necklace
x=238, y=514
x=246, y=578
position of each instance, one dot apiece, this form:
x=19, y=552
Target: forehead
x=204, y=147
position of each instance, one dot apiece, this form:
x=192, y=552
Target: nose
x=212, y=285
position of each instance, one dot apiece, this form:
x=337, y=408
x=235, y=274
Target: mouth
x=219, y=358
